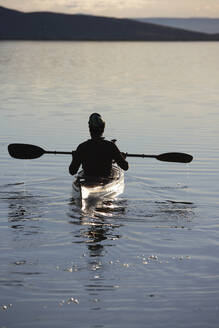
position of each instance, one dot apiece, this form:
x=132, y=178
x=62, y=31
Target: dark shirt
x=96, y=157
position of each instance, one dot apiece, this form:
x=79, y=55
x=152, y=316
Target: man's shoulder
x=83, y=145
x=109, y=144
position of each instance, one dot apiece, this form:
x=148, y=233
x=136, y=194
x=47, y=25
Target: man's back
x=96, y=156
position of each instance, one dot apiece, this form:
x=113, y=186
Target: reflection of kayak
x=94, y=187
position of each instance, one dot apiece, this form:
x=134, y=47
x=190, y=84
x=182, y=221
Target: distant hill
x=204, y=25
x=16, y=25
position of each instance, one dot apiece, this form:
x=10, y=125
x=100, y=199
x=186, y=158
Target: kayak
x=85, y=188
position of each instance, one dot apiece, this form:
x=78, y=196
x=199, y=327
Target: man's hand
x=124, y=155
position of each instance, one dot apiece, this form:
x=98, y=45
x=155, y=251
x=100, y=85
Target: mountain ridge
x=17, y=25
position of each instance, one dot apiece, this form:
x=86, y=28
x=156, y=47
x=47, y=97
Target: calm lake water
x=150, y=257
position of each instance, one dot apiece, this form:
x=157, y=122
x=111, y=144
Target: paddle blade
x=25, y=151
x=175, y=157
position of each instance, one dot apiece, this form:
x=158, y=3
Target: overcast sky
x=122, y=8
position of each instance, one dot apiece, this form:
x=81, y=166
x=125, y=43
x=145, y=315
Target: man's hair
x=96, y=125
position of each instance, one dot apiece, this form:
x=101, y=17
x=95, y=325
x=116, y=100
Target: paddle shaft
x=141, y=155
x=57, y=152
x=70, y=153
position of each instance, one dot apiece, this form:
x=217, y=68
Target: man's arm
x=75, y=164
x=120, y=159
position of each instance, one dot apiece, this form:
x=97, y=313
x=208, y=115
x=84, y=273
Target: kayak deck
x=97, y=187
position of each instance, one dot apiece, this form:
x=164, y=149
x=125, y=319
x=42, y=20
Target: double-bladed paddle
x=26, y=151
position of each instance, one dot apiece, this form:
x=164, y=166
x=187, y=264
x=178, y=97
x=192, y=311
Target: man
x=96, y=155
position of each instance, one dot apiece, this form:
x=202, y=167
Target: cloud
x=108, y=6
x=80, y=4
x=122, y=8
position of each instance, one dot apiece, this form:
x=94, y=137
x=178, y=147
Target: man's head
x=96, y=125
